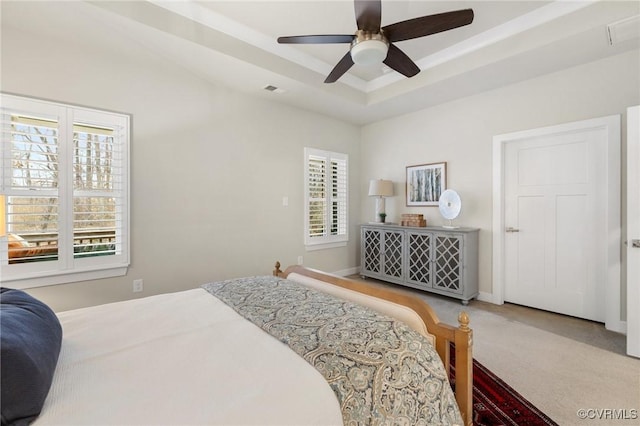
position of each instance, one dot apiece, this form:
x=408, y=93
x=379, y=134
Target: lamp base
x=379, y=208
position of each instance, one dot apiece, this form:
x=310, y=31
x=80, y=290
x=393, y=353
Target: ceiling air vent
x=624, y=29
x=273, y=89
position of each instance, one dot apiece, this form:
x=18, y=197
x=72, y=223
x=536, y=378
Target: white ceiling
x=234, y=43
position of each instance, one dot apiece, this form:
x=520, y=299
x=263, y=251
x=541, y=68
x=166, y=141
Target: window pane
x=34, y=153
x=93, y=163
x=94, y=226
x=317, y=214
x=32, y=225
x=316, y=178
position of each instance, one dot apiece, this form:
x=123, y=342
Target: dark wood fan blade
x=400, y=62
x=343, y=66
x=427, y=25
x=317, y=39
x=368, y=14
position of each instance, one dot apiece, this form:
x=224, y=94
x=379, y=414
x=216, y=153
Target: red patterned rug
x=497, y=403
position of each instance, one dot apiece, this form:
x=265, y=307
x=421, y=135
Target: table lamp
x=380, y=188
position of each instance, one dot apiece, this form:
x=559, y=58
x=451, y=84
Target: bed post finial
x=277, y=271
x=463, y=320
x=464, y=368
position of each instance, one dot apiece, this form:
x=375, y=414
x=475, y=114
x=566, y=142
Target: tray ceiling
x=234, y=43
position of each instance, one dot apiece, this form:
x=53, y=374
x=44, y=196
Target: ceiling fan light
x=369, y=52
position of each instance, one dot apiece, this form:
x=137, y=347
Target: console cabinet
x=435, y=259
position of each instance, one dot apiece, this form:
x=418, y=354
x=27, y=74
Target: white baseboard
x=487, y=297
x=347, y=272
x=617, y=326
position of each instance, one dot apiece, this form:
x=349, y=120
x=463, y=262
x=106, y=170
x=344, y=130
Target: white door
x=556, y=223
x=633, y=231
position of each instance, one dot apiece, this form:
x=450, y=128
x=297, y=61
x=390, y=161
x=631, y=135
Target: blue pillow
x=30, y=340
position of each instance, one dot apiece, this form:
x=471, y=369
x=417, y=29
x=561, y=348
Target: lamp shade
x=381, y=188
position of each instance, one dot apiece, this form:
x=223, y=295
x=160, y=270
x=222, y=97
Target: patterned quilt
x=382, y=371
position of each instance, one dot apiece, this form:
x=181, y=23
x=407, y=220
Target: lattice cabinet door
x=371, y=255
x=448, y=264
x=435, y=259
x=393, y=245
x=419, y=258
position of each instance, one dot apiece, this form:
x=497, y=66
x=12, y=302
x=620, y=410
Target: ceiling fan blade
x=317, y=39
x=343, y=66
x=400, y=62
x=427, y=25
x=368, y=14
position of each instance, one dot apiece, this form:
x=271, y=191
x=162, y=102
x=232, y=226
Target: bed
x=297, y=347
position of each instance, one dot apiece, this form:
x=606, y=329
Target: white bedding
x=131, y=363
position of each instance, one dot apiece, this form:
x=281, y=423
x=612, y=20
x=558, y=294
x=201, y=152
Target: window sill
x=323, y=246
x=25, y=282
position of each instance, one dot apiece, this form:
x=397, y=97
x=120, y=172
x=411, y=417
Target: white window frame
x=67, y=268
x=327, y=240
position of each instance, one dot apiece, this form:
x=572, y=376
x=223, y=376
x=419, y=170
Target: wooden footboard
x=461, y=336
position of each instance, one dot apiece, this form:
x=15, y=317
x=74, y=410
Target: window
x=64, y=193
x=326, y=205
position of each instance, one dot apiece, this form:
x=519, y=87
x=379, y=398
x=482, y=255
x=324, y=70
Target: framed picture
x=425, y=183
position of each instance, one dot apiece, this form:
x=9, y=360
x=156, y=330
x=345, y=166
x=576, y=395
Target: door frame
x=612, y=126
x=633, y=230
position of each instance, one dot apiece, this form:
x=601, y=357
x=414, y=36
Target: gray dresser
x=435, y=259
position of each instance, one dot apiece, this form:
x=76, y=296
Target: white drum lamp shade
x=380, y=188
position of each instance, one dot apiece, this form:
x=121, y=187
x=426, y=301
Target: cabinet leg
x=465, y=302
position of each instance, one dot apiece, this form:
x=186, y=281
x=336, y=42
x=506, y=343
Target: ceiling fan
x=373, y=44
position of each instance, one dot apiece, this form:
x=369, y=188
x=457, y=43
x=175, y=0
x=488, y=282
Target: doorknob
x=510, y=229
x=635, y=243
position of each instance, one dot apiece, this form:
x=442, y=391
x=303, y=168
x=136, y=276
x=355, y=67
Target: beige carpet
x=560, y=364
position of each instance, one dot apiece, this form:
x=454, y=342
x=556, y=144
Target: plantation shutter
x=64, y=190
x=317, y=202
x=31, y=172
x=325, y=197
x=97, y=190
x=338, y=197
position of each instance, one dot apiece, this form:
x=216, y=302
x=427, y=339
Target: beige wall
x=461, y=133
x=209, y=166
